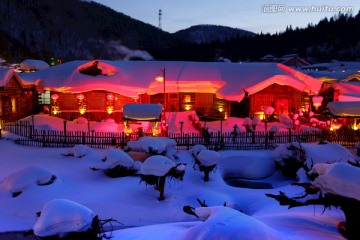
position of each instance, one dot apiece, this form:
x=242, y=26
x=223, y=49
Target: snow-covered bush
x=65, y=219
x=106, y=127
x=81, y=120
x=207, y=161
x=255, y=121
x=157, y=168
x=172, y=154
x=268, y=110
x=153, y=145
x=334, y=184
x=27, y=177
x=117, y=163
x=78, y=151
x=286, y=120
x=247, y=121
x=133, y=146
x=197, y=149
x=292, y=156
x=274, y=129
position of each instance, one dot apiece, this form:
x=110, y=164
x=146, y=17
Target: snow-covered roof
x=348, y=92
x=344, y=109
x=337, y=70
x=131, y=78
x=32, y=64
x=5, y=76
x=142, y=112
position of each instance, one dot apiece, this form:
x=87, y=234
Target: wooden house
x=99, y=89
x=17, y=98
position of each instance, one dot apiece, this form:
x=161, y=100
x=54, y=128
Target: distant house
x=32, y=65
x=99, y=89
x=335, y=71
x=292, y=60
x=17, y=98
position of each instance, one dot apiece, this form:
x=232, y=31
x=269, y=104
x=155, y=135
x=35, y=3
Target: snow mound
x=81, y=120
x=228, y=224
x=21, y=180
x=153, y=145
x=171, y=153
x=105, y=127
x=197, y=149
x=208, y=158
x=133, y=145
x=61, y=216
x=116, y=157
x=46, y=127
x=246, y=164
x=334, y=153
x=338, y=179
x=79, y=151
x=286, y=120
x=157, y=166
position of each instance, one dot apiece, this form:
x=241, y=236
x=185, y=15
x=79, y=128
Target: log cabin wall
x=284, y=99
x=97, y=105
x=17, y=101
x=203, y=103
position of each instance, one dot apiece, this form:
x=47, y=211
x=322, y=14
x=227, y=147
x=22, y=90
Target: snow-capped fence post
x=65, y=121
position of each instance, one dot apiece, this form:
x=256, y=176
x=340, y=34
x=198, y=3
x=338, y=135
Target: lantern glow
x=317, y=100
x=82, y=103
x=159, y=78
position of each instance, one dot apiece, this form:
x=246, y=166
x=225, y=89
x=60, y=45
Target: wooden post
x=65, y=131
x=92, y=136
x=162, y=188
x=289, y=135
x=43, y=138
x=83, y=138
x=187, y=141
x=181, y=127
x=266, y=140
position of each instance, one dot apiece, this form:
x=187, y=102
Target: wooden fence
x=215, y=140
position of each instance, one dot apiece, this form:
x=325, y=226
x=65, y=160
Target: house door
x=282, y=106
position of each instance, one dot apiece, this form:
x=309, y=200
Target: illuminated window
x=13, y=105
x=187, y=98
x=44, y=98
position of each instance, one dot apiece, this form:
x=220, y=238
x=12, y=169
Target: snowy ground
x=249, y=213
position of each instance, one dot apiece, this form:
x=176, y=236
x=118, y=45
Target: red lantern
x=80, y=96
x=110, y=96
x=54, y=96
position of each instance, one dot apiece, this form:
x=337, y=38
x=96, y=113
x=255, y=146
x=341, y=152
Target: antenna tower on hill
x=160, y=14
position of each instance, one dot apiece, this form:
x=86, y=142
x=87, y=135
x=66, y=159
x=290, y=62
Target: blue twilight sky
x=268, y=16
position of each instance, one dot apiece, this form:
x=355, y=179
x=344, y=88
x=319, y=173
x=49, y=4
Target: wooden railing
x=214, y=140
